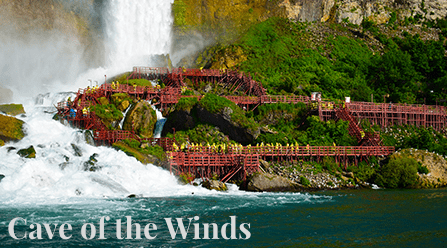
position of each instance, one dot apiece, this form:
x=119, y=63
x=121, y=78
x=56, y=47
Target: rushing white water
x=136, y=30
x=50, y=175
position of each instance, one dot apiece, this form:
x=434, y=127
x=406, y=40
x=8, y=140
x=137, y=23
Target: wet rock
x=207, y=88
x=88, y=136
x=64, y=165
x=223, y=120
x=77, y=150
x=134, y=196
x=11, y=129
x=29, y=152
x=260, y=182
x=121, y=101
x=1, y=177
x=78, y=192
x=90, y=165
x=12, y=109
x=141, y=118
x=215, y=184
x=264, y=164
x=179, y=120
x=10, y=148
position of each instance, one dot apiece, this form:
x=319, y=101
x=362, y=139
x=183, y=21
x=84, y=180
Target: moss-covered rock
x=11, y=129
x=121, y=101
x=108, y=114
x=182, y=117
x=2, y=143
x=29, y=152
x=230, y=118
x=141, y=119
x=136, y=153
x=103, y=101
x=12, y=109
x=215, y=184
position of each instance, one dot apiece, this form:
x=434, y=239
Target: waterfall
x=135, y=30
x=160, y=123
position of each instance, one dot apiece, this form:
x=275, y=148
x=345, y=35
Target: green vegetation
x=201, y=134
x=304, y=181
x=134, y=148
x=107, y=113
x=216, y=104
x=365, y=172
x=399, y=172
x=186, y=103
x=415, y=137
x=279, y=54
x=2, y=143
x=313, y=132
x=138, y=82
x=186, y=177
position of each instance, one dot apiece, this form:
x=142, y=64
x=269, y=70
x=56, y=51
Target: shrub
x=186, y=177
x=304, y=181
x=399, y=172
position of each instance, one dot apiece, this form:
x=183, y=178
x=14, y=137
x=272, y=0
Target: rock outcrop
x=29, y=152
x=260, y=182
x=12, y=109
x=179, y=120
x=141, y=119
x=215, y=184
x=11, y=129
x=121, y=101
x=228, y=126
x=436, y=165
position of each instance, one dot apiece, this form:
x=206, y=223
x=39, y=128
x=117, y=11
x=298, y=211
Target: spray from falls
x=137, y=30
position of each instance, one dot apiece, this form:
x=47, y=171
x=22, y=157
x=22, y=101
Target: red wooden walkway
x=238, y=160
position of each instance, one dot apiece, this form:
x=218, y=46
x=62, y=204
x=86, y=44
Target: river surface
x=354, y=218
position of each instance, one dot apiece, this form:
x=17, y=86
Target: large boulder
x=230, y=118
x=260, y=182
x=224, y=121
x=12, y=109
x=11, y=129
x=141, y=119
x=179, y=120
x=215, y=184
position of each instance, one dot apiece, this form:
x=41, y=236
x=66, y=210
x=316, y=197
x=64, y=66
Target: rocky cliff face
x=230, y=17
